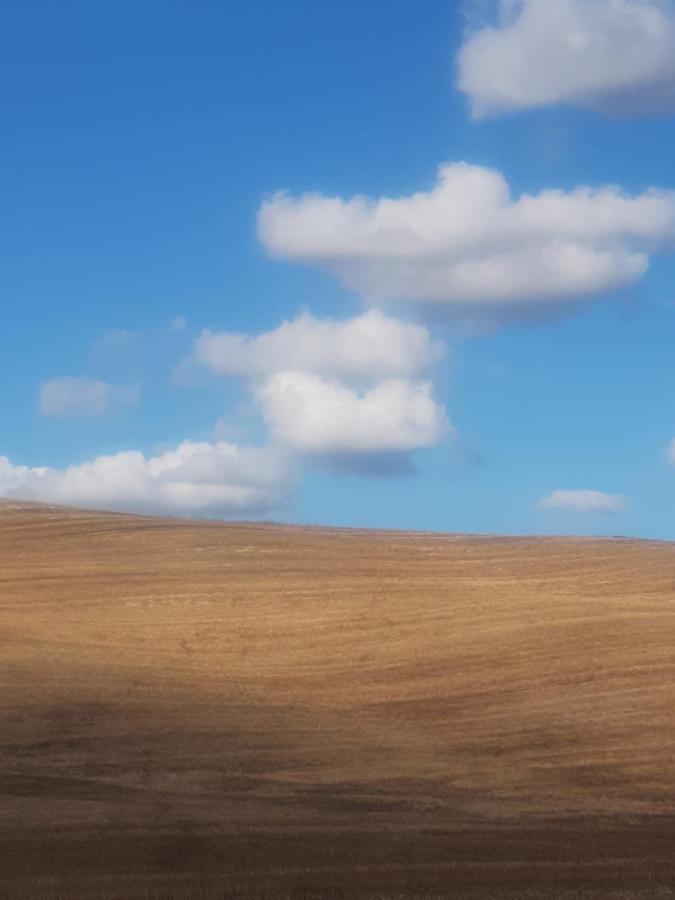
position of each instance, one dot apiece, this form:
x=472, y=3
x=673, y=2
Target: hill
x=207, y=710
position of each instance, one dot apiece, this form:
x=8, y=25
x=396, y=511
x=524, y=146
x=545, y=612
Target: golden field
x=208, y=710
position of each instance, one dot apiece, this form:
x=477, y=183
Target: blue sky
x=141, y=142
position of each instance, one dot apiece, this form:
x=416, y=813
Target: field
x=205, y=710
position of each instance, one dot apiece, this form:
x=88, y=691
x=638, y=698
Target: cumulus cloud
x=73, y=397
x=346, y=393
x=194, y=478
x=312, y=415
x=470, y=246
x=370, y=346
x=616, y=56
x=584, y=501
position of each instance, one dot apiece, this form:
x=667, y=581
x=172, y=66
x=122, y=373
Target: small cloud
x=84, y=397
x=584, y=501
x=670, y=453
x=117, y=342
x=614, y=56
x=178, y=323
x=227, y=428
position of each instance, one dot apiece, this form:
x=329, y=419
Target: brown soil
x=206, y=710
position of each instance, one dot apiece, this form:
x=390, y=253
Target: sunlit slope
x=372, y=705
x=157, y=658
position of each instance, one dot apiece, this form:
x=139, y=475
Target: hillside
x=199, y=709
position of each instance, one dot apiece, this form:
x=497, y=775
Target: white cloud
x=72, y=397
x=347, y=393
x=312, y=415
x=584, y=501
x=670, y=453
x=370, y=346
x=467, y=244
x=611, y=55
x=193, y=478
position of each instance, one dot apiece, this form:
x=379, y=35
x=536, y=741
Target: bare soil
x=199, y=710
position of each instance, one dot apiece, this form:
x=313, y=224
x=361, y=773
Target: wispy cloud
x=68, y=397
x=584, y=501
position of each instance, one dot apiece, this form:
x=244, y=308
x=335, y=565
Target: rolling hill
x=194, y=709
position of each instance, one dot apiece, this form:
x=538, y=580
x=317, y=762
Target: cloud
x=116, y=344
x=584, y=501
x=80, y=397
x=469, y=246
x=346, y=393
x=194, y=478
x=315, y=416
x=670, y=453
x=616, y=56
x=370, y=346
x=178, y=323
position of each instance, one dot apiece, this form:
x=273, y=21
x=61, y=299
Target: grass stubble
x=199, y=710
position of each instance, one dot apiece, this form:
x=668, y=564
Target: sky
x=381, y=265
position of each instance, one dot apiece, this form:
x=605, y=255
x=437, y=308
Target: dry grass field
x=204, y=710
